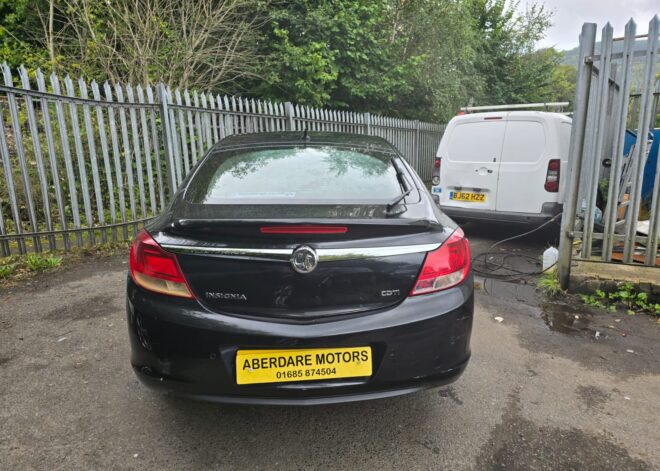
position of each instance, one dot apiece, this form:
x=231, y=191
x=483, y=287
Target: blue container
x=651, y=162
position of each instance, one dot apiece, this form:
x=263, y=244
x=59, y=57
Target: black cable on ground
x=494, y=269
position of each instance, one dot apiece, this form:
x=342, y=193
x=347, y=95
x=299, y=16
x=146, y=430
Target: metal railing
x=606, y=110
x=83, y=164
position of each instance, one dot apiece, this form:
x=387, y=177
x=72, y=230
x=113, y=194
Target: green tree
x=331, y=53
x=20, y=33
x=511, y=69
x=418, y=59
x=411, y=58
x=437, y=34
x=562, y=84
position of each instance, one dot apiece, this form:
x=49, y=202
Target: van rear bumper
x=548, y=211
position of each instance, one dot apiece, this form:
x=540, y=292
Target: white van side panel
x=470, y=153
x=523, y=167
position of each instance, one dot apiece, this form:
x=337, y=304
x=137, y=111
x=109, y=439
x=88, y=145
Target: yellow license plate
x=467, y=196
x=277, y=366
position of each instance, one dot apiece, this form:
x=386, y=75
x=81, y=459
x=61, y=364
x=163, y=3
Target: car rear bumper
x=548, y=211
x=178, y=346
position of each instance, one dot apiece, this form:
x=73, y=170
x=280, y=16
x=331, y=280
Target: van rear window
x=294, y=175
x=524, y=142
x=479, y=141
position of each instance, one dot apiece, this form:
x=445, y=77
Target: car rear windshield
x=295, y=175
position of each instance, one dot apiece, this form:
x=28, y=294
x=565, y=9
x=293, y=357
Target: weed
x=625, y=296
x=549, y=284
x=594, y=301
x=6, y=270
x=36, y=262
x=25, y=266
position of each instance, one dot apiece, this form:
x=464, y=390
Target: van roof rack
x=557, y=106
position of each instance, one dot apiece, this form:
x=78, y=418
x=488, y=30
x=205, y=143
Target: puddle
x=566, y=318
x=520, y=292
x=560, y=316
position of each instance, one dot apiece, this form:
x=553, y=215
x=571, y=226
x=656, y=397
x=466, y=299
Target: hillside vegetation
x=570, y=59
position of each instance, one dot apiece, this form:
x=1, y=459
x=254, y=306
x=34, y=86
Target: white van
x=503, y=166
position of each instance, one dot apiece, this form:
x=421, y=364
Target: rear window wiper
x=397, y=200
x=403, y=181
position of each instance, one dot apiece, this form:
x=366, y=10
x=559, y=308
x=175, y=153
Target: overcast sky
x=571, y=14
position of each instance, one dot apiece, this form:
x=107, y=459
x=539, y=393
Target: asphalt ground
x=551, y=385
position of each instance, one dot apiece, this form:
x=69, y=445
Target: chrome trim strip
x=284, y=255
x=276, y=255
x=372, y=252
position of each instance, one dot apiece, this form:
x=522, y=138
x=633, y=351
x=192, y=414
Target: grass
x=17, y=268
x=37, y=262
x=549, y=284
x=6, y=270
x=22, y=266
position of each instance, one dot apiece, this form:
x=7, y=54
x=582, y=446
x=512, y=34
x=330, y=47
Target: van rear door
x=523, y=167
x=469, y=170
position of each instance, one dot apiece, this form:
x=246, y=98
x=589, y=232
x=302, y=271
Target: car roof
x=296, y=137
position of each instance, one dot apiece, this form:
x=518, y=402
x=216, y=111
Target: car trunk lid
x=245, y=267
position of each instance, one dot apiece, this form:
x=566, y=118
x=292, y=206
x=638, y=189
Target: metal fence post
x=289, y=112
x=167, y=138
x=367, y=123
x=593, y=163
x=14, y=118
x=654, y=221
x=576, y=153
x=417, y=144
x=619, y=141
x=640, y=152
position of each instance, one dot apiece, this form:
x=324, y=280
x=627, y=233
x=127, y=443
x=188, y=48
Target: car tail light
x=435, y=176
x=552, y=177
x=156, y=270
x=445, y=267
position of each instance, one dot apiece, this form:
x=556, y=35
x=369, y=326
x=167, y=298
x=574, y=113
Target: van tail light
x=435, y=176
x=552, y=177
x=156, y=270
x=445, y=267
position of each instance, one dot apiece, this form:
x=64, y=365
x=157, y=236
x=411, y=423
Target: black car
x=295, y=269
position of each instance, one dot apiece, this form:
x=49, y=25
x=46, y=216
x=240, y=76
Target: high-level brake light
x=304, y=229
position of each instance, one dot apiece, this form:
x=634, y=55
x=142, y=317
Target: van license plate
x=466, y=196
x=277, y=366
